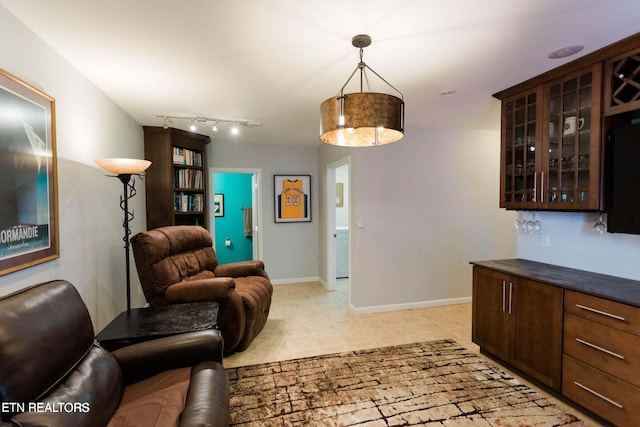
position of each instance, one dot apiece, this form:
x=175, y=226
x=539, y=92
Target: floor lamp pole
x=128, y=192
x=124, y=169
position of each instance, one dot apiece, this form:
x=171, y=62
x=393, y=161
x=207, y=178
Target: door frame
x=256, y=198
x=330, y=235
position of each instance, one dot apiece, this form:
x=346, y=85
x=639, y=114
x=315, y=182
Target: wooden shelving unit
x=176, y=182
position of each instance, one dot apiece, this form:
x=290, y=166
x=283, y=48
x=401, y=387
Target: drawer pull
x=595, y=393
x=604, y=350
x=604, y=313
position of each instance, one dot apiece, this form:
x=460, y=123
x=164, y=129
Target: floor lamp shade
x=121, y=166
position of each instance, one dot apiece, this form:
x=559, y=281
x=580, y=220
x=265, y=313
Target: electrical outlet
x=544, y=240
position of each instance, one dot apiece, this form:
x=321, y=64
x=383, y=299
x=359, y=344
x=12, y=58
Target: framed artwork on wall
x=292, y=198
x=29, y=190
x=218, y=204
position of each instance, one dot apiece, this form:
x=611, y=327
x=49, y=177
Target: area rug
x=436, y=383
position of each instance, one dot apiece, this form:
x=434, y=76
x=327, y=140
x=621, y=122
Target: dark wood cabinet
x=554, y=127
x=490, y=317
x=572, y=152
x=622, y=83
x=576, y=332
x=601, y=362
x=521, y=141
x=520, y=322
x=176, y=181
x=551, y=144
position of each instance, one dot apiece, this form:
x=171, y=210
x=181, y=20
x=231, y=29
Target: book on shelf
x=185, y=202
x=188, y=178
x=186, y=157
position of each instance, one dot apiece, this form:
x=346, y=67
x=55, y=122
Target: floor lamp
x=124, y=169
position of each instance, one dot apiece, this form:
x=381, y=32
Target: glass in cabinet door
x=519, y=150
x=568, y=162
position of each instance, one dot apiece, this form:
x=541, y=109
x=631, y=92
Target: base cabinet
x=520, y=322
x=601, y=361
x=546, y=321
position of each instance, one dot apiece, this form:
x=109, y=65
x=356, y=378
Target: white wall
x=428, y=206
x=573, y=243
x=89, y=126
x=290, y=249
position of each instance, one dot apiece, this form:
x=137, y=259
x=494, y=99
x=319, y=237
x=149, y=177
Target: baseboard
x=296, y=280
x=408, y=306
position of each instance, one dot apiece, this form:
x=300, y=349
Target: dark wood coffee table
x=142, y=324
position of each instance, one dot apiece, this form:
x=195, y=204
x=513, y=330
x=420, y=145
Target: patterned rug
x=436, y=383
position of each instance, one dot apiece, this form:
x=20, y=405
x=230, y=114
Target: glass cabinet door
x=520, y=140
x=571, y=164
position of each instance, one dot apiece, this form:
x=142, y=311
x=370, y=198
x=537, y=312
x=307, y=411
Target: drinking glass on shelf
x=528, y=222
x=537, y=224
x=518, y=224
x=600, y=226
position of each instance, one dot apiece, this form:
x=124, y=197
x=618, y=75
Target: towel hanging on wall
x=248, y=222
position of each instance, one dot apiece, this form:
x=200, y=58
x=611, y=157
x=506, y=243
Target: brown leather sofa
x=53, y=374
x=177, y=264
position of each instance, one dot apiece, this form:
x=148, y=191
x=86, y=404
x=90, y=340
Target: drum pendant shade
x=362, y=119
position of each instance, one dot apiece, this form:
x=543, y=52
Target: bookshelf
x=176, y=182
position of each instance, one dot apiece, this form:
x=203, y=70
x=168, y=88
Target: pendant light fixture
x=362, y=119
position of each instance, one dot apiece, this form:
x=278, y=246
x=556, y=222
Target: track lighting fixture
x=235, y=124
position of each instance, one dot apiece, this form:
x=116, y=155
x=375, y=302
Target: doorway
x=236, y=214
x=338, y=223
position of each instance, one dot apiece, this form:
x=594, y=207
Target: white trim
x=295, y=280
x=330, y=240
x=408, y=306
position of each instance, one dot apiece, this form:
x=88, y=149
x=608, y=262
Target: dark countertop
x=613, y=288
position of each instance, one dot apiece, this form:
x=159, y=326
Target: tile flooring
x=307, y=320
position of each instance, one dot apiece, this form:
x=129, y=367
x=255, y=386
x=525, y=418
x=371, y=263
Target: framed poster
x=292, y=198
x=218, y=204
x=29, y=190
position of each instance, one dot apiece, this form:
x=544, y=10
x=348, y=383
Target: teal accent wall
x=236, y=188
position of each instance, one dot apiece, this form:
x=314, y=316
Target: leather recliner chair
x=53, y=374
x=177, y=264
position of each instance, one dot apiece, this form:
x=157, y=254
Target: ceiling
x=274, y=61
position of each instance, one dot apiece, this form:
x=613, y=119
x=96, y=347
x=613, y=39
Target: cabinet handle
x=504, y=296
x=535, y=185
x=542, y=187
x=604, y=350
x=595, y=393
x=510, y=295
x=604, y=313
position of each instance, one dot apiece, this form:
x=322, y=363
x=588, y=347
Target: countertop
x=613, y=288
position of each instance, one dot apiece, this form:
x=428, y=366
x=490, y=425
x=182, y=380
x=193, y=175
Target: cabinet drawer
x=608, y=349
x=614, y=314
x=609, y=397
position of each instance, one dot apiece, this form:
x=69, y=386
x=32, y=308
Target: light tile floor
x=307, y=320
